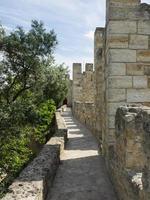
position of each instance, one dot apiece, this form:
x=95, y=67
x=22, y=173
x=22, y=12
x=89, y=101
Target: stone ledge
x=35, y=180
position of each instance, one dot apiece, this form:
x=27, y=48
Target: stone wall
x=69, y=95
x=85, y=113
x=37, y=177
x=127, y=58
x=130, y=157
x=99, y=81
x=121, y=77
x=83, y=102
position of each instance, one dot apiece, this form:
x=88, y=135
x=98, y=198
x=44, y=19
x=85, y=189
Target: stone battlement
x=130, y=156
x=121, y=76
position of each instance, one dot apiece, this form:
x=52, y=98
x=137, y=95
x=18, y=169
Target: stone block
x=138, y=95
x=120, y=82
x=135, y=69
x=138, y=42
x=118, y=41
x=144, y=27
x=122, y=55
x=143, y=55
x=111, y=121
x=116, y=69
x=124, y=3
x=124, y=13
x=112, y=107
x=148, y=82
x=89, y=67
x=147, y=70
x=116, y=95
x=140, y=82
x=122, y=27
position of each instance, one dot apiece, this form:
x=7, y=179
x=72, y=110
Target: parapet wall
x=129, y=158
x=35, y=180
x=85, y=113
x=83, y=102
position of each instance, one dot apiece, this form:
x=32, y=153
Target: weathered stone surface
x=120, y=82
x=36, y=179
x=147, y=70
x=122, y=27
x=143, y=55
x=118, y=3
x=135, y=69
x=131, y=152
x=123, y=55
x=112, y=107
x=122, y=75
x=138, y=42
x=116, y=69
x=116, y=95
x=118, y=41
x=111, y=122
x=138, y=95
x=89, y=67
x=144, y=27
x=140, y=82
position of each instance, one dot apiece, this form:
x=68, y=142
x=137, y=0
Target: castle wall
x=84, y=106
x=127, y=66
x=127, y=58
x=99, y=44
x=76, y=86
x=121, y=77
x=130, y=157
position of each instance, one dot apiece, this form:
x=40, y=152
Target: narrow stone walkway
x=82, y=174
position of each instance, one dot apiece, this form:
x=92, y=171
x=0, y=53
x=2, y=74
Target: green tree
x=25, y=55
x=31, y=86
x=56, y=86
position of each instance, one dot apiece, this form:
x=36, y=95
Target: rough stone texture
x=122, y=76
x=83, y=106
x=99, y=81
x=69, y=95
x=138, y=95
x=120, y=27
x=134, y=69
x=123, y=55
x=85, y=112
x=120, y=82
x=129, y=158
x=138, y=42
x=76, y=87
x=36, y=179
x=82, y=174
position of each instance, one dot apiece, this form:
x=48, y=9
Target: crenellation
x=121, y=76
x=89, y=67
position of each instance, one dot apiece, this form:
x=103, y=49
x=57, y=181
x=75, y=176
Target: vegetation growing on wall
x=32, y=86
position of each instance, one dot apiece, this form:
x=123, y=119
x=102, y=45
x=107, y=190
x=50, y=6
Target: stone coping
x=35, y=180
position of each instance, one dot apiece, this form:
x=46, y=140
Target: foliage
x=31, y=87
x=57, y=80
x=45, y=114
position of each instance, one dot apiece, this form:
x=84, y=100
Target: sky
x=74, y=22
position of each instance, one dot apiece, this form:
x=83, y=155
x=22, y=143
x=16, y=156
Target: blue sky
x=74, y=22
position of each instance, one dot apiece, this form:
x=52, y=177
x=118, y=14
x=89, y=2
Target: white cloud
x=90, y=35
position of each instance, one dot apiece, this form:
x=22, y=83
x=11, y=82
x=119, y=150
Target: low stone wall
x=130, y=157
x=37, y=177
x=85, y=113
